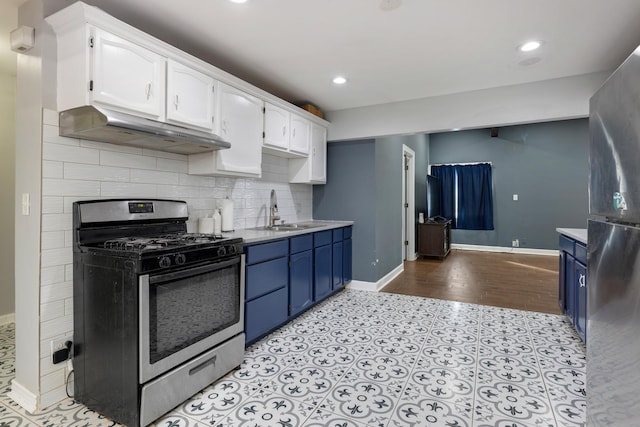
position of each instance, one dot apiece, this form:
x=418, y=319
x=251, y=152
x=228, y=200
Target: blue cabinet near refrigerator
x=572, y=289
x=285, y=277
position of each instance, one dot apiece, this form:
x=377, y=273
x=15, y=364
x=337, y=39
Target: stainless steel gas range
x=158, y=312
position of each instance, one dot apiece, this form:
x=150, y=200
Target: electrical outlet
x=58, y=344
x=515, y=243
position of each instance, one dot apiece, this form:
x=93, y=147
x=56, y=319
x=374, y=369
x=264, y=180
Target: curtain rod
x=461, y=164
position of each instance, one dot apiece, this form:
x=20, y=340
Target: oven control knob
x=232, y=249
x=181, y=259
x=164, y=261
x=222, y=251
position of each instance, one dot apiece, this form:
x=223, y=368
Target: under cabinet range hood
x=105, y=125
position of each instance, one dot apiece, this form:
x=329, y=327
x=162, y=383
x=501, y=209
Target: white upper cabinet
x=126, y=76
x=300, y=134
x=241, y=124
x=312, y=170
x=276, y=127
x=190, y=96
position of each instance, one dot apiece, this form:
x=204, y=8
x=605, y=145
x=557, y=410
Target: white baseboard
x=376, y=286
x=7, y=318
x=527, y=251
x=23, y=397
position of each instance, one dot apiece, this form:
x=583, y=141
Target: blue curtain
x=447, y=175
x=469, y=187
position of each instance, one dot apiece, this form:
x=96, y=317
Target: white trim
x=376, y=286
x=8, y=318
x=23, y=397
x=527, y=251
x=411, y=201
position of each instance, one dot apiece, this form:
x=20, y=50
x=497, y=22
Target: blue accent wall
x=545, y=164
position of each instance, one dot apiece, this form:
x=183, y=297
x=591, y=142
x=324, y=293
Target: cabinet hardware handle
x=176, y=102
x=211, y=361
x=284, y=130
x=582, y=280
x=294, y=132
x=148, y=89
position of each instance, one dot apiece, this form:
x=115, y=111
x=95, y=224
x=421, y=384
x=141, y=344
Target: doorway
x=408, y=204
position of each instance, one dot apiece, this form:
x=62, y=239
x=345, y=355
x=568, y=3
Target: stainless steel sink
x=290, y=227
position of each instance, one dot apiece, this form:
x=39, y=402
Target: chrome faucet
x=273, y=209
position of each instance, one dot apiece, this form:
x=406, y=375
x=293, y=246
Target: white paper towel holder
x=227, y=214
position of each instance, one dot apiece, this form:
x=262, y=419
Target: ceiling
x=419, y=48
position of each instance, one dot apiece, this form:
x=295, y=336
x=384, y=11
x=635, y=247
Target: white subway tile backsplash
x=125, y=189
x=54, y=396
x=67, y=187
x=52, y=204
x=70, y=153
x=52, y=381
x=55, y=222
x=60, y=256
x=51, y=275
x=95, y=173
x=57, y=326
x=177, y=192
x=52, y=239
x=49, y=117
x=195, y=180
x=113, y=158
x=105, y=146
x=164, y=155
x=51, y=310
x=52, y=169
x=154, y=177
x=50, y=133
x=171, y=165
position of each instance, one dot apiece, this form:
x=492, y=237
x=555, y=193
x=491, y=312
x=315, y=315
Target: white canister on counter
x=205, y=225
x=217, y=222
x=421, y=217
x=227, y=214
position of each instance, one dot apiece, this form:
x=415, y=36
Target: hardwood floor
x=526, y=282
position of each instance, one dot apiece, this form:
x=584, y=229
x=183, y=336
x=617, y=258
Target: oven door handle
x=177, y=275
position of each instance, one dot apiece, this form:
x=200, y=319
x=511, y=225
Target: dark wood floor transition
x=526, y=282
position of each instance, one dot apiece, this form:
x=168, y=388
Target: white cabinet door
x=313, y=169
x=318, y=155
x=300, y=134
x=276, y=127
x=127, y=76
x=241, y=125
x=190, y=96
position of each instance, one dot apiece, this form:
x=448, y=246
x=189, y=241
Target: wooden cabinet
x=126, y=76
x=313, y=169
x=572, y=283
x=190, y=97
x=434, y=239
x=241, y=124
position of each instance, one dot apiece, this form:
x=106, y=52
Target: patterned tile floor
x=376, y=359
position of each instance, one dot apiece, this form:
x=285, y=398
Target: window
x=467, y=198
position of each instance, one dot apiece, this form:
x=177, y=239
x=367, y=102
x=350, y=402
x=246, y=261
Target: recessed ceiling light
x=238, y=1
x=529, y=46
x=339, y=80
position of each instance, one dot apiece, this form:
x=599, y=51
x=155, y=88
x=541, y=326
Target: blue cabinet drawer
x=322, y=238
x=267, y=251
x=347, y=232
x=566, y=244
x=581, y=253
x=337, y=235
x=301, y=243
x=265, y=313
x=266, y=277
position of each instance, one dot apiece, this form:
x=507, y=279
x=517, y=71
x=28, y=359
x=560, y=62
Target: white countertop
x=253, y=235
x=579, y=234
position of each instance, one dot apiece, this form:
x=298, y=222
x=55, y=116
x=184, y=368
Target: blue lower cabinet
x=347, y=269
x=266, y=277
x=322, y=277
x=580, y=309
x=300, y=281
x=569, y=273
x=265, y=313
x=336, y=267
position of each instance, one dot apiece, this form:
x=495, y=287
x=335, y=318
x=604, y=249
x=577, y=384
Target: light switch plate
x=26, y=204
x=515, y=197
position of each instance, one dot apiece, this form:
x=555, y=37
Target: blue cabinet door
x=264, y=314
x=322, y=278
x=562, y=284
x=569, y=272
x=580, y=309
x=337, y=281
x=300, y=281
x=347, y=269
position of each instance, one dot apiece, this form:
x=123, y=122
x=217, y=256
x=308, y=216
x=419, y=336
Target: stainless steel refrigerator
x=613, y=275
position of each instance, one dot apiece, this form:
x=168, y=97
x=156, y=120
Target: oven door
x=187, y=312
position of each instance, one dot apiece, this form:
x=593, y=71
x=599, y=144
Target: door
x=241, y=124
x=276, y=126
x=408, y=205
x=318, y=154
x=300, y=134
x=300, y=281
x=613, y=322
x=337, y=266
x=190, y=96
x=322, y=278
x=127, y=76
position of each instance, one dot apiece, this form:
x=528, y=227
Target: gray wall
x=546, y=164
x=349, y=195
x=364, y=184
